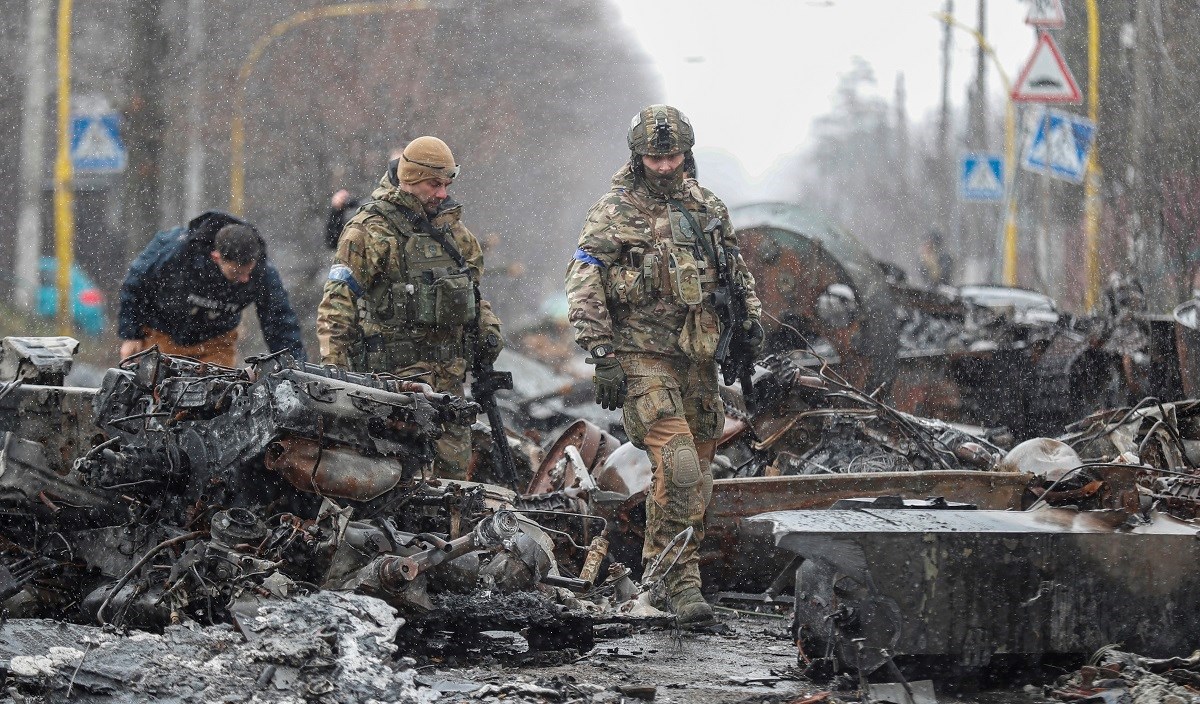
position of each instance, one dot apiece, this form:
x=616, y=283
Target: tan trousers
x=674, y=412
x=221, y=349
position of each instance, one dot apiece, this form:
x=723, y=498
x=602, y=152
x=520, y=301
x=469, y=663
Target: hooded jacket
x=175, y=287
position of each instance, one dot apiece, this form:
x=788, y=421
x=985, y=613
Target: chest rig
x=678, y=267
x=425, y=298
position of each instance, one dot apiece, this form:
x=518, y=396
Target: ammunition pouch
x=387, y=355
x=436, y=299
x=638, y=281
x=626, y=285
x=447, y=301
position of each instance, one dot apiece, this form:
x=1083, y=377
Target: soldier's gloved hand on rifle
x=609, y=378
x=490, y=345
x=755, y=335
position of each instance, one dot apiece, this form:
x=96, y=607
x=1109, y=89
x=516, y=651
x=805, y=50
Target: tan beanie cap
x=425, y=158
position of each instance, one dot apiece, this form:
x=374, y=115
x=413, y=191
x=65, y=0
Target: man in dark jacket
x=185, y=292
x=342, y=207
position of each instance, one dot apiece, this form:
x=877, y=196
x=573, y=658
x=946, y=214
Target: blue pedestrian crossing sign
x=1059, y=144
x=981, y=178
x=96, y=145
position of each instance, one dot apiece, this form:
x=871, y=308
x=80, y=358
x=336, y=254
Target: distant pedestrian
x=937, y=266
x=342, y=207
x=185, y=292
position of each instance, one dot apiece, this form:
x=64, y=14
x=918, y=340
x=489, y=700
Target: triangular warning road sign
x=1046, y=78
x=1047, y=14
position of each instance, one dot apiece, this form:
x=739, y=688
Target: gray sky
x=752, y=74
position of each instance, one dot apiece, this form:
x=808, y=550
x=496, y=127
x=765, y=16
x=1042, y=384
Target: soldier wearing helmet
x=401, y=293
x=639, y=290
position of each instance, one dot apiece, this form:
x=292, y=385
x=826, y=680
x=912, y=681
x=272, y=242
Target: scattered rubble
x=275, y=530
x=1113, y=676
x=324, y=646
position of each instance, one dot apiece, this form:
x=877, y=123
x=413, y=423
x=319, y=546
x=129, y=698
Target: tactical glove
x=609, y=380
x=754, y=335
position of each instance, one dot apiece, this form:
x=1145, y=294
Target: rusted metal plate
x=738, y=498
x=965, y=586
x=594, y=445
x=796, y=256
x=330, y=471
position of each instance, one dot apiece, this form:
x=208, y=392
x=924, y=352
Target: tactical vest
x=417, y=311
x=678, y=267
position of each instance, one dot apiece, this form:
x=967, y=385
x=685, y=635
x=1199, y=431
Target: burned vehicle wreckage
x=179, y=492
x=178, y=495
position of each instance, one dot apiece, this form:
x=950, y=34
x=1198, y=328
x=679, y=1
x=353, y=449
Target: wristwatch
x=601, y=351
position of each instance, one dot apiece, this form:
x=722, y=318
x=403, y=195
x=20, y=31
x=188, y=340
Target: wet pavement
x=749, y=659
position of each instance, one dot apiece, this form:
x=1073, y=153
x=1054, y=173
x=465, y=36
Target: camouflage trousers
x=673, y=411
x=452, y=451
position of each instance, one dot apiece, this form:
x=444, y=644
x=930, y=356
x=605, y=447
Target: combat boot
x=691, y=609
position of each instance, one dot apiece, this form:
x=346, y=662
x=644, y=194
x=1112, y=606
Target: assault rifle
x=734, y=354
x=485, y=382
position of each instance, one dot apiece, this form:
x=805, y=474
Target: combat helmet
x=660, y=130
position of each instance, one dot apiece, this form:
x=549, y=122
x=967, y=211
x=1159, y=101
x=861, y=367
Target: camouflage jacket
x=369, y=251
x=629, y=280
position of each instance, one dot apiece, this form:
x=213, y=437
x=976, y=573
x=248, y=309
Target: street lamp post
x=1091, y=178
x=237, y=163
x=1010, y=139
x=64, y=201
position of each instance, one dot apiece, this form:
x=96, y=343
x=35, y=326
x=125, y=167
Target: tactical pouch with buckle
x=454, y=299
x=443, y=299
x=394, y=306
x=685, y=279
x=625, y=285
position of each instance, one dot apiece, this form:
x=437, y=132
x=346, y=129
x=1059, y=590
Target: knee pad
x=681, y=461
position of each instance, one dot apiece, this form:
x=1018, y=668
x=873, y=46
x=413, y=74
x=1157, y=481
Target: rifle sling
x=709, y=252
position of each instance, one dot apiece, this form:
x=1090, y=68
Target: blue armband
x=341, y=272
x=582, y=256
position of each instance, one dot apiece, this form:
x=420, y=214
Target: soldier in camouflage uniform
x=402, y=289
x=639, y=293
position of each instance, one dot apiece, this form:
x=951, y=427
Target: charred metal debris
x=984, y=355
x=183, y=493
